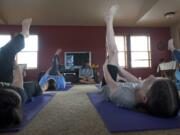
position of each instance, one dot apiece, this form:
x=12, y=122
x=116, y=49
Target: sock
x=171, y=45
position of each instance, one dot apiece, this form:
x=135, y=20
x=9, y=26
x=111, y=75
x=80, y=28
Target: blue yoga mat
x=118, y=119
x=66, y=88
x=30, y=110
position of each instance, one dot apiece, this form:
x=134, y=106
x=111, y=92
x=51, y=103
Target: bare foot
x=58, y=51
x=25, y=26
x=171, y=45
x=110, y=14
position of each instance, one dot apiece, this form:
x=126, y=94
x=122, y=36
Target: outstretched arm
x=18, y=77
x=110, y=82
x=127, y=76
x=48, y=70
x=43, y=80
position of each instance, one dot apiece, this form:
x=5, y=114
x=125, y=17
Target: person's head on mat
x=158, y=96
x=53, y=79
x=162, y=99
x=51, y=84
x=10, y=108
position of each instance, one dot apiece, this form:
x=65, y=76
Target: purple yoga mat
x=30, y=110
x=118, y=119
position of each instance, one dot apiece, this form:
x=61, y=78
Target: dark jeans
x=55, y=65
x=31, y=89
x=7, y=55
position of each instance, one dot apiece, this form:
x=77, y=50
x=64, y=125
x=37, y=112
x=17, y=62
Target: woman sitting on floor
x=158, y=96
x=86, y=74
x=12, y=93
x=53, y=79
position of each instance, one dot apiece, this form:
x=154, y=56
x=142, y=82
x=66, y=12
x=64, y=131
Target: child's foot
x=110, y=14
x=171, y=45
x=25, y=26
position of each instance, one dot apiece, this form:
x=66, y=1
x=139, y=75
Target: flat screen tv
x=76, y=59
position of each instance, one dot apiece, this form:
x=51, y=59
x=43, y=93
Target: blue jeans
x=176, y=55
x=55, y=65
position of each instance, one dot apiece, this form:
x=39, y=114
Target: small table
x=167, y=69
x=71, y=76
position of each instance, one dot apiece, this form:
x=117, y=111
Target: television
x=76, y=59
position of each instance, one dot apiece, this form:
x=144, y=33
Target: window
x=134, y=51
x=122, y=51
x=140, y=51
x=4, y=39
x=29, y=54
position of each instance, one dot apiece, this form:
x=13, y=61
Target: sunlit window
x=28, y=55
x=122, y=51
x=134, y=51
x=140, y=51
x=4, y=39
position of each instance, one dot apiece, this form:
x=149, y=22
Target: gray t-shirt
x=124, y=96
x=85, y=72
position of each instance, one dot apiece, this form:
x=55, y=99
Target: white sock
x=25, y=26
x=171, y=45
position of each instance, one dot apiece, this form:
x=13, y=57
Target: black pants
x=7, y=56
x=31, y=89
x=113, y=70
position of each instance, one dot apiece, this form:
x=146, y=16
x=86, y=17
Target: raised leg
x=9, y=51
x=111, y=47
x=25, y=26
x=55, y=63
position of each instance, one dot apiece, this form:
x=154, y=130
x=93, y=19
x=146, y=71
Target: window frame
x=1, y=34
x=125, y=51
x=37, y=52
x=128, y=52
x=148, y=50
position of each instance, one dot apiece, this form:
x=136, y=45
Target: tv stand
x=71, y=75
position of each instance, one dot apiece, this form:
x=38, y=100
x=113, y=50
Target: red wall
x=77, y=38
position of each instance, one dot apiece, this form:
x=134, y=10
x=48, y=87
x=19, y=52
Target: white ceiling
x=89, y=12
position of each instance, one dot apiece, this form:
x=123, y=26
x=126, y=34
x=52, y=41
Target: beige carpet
x=71, y=113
